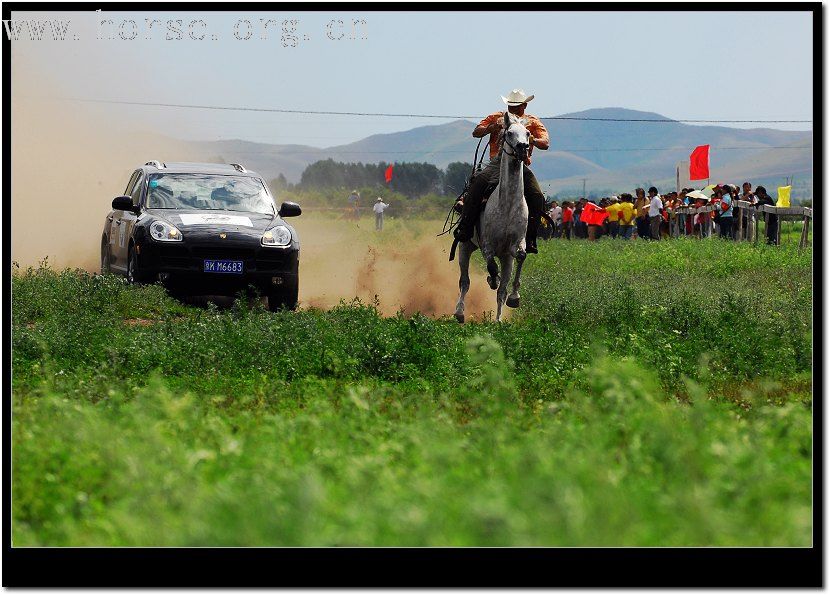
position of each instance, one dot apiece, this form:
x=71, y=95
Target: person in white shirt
x=379, y=207
x=556, y=214
x=655, y=206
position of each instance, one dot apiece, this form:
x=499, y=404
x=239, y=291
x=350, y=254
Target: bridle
x=504, y=143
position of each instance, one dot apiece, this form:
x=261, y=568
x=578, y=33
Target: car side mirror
x=122, y=203
x=290, y=209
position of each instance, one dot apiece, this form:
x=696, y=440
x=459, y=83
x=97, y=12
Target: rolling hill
x=602, y=152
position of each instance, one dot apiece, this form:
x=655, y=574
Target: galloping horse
x=503, y=223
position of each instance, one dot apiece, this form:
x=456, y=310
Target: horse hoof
x=460, y=318
x=493, y=282
x=512, y=302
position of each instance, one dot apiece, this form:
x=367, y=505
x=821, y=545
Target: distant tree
x=416, y=179
x=455, y=177
x=279, y=183
x=411, y=179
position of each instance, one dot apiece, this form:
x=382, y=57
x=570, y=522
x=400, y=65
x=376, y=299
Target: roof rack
x=239, y=168
x=156, y=163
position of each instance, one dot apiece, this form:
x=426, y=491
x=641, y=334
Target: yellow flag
x=783, y=196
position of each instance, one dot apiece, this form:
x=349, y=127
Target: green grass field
x=645, y=394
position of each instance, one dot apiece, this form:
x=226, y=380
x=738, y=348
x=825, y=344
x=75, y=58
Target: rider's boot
x=472, y=204
x=530, y=237
x=535, y=207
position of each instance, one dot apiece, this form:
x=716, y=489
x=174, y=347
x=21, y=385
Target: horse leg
x=492, y=271
x=464, y=252
x=501, y=294
x=513, y=298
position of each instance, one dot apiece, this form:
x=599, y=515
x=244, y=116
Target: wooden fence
x=746, y=218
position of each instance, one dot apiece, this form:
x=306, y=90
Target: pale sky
x=680, y=65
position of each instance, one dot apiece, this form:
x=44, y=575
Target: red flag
x=592, y=214
x=587, y=213
x=600, y=215
x=699, y=163
x=389, y=174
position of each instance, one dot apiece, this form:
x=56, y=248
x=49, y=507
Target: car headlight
x=164, y=232
x=279, y=236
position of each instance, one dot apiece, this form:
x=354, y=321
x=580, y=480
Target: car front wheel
x=284, y=299
x=134, y=274
x=105, y=257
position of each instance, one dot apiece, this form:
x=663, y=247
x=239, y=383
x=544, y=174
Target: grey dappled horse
x=503, y=224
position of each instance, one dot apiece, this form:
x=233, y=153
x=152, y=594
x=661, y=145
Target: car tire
x=134, y=274
x=284, y=299
x=106, y=269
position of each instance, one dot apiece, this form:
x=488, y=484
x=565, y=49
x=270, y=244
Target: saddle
x=487, y=192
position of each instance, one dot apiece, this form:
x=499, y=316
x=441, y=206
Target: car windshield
x=208, y=192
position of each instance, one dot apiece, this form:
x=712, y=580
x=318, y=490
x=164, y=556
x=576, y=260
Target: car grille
x=229, y=253
x=191, y=258
x=178, y=262
x=272, y=260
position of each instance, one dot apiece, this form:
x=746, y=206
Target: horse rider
x=485, y=180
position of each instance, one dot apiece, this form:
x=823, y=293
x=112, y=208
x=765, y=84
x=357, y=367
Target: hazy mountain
x=791, y=159
x=601, y=151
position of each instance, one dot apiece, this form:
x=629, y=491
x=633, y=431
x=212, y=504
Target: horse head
x=516, y=138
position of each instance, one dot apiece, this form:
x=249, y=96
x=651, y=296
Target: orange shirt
x=532, y=123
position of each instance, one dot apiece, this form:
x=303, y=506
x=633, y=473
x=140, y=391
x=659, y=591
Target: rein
x=451, y=220
x=505, y=151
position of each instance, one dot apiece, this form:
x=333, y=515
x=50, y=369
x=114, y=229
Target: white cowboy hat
x=517, y=97
x=379, y=199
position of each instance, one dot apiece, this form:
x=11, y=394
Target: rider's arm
x=539, y=133
x=481, y=131
x=541, y=143
x=488, y=125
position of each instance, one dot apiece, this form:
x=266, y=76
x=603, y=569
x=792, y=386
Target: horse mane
x=514, y=119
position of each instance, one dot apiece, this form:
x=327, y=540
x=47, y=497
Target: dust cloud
x=403, y=268
x=69, y=160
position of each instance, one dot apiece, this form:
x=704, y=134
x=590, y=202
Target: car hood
x=202, y=220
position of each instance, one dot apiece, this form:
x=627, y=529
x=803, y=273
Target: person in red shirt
x=494, y=126
x=567, y=219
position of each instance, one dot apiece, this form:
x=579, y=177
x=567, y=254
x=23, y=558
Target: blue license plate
x=232, y=267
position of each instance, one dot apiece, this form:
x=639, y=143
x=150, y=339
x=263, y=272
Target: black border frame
x=423, y=567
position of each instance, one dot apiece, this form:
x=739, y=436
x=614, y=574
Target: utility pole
x=583, y=188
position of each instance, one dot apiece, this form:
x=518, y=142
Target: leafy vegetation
x=412, y=180
x=645, y=394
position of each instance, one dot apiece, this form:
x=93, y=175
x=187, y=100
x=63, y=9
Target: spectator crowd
x=652, y=216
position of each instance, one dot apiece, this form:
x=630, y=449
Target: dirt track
x=405, y=266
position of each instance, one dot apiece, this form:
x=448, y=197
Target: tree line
x=413, y=180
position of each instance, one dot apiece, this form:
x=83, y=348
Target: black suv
x=203, y=229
